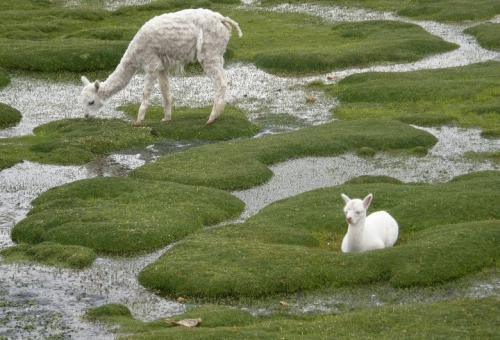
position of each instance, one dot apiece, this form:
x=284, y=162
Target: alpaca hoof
x=210, y=122
x=136, y=124
x=164, y=120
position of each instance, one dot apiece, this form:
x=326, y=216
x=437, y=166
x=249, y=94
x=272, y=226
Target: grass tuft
x=4, y=78
x=9, y=116
x=108, y=311
x=51, y=254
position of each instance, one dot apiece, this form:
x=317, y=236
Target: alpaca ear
x=345, y=198
x=367, y=201
x=85, y=81
x=96, y=85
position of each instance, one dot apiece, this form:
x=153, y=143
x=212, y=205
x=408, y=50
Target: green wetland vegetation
x=449, y=232
x=466, y=96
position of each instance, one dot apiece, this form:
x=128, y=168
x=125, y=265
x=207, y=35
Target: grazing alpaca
x=168, y=42
x=378, y=230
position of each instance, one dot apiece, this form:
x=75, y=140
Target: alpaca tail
x=228, y=22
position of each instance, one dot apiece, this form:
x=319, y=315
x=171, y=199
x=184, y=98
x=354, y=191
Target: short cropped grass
x=4, y=78
x=121, y=216
x=69, y=55
x=465, y=318
x=467, y=96
x=308, y=45
x=189, y=123
x=447, y=231
x=243, y=164
x=90, y=39
x=51, y=254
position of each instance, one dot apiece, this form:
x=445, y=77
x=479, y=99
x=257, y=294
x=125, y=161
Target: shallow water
x=51, y=301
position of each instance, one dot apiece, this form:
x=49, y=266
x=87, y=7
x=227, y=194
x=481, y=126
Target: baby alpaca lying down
x=376, y=231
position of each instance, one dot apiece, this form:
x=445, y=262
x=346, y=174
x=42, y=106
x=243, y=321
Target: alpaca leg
x=215, y=71
x=149, y=81
x=165, y=91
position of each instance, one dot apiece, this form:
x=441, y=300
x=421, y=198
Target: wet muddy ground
x=38, y=301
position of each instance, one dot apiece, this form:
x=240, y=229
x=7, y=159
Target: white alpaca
x=378, y=230
x=163, y=43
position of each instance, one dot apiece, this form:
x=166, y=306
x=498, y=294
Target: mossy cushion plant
x=8, y=116
x=122, y=216
x=189, y=123
x=292, y=44
x=88, y=39
x=464, y=318
x=52, y=254
x=4, y=78
x=446, y=231
x=73, y=141
x=243, y=164
x=467, y=96
x=488, y=35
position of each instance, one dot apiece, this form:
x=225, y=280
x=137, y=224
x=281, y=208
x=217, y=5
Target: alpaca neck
x=117, y=80
x=355, y=236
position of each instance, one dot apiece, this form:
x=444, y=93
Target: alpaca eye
x=91, y=103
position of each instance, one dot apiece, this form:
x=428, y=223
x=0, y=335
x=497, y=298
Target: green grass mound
x=304, y=44
x=451, y=10
x=189, y=123
x=447, y=231
x=9, y=116
x=69, y=55
x=488, y=35
x=4, y=78
x=466, y=95
x=493, y=155
x=73, y=141
x=243, y=164
x=91, y=39
x=121, y=216
x=51, y=254
x=465, y=318
x=108, y=312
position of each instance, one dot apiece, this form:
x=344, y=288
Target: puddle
x=43, y=301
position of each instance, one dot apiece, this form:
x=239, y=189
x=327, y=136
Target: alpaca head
x=90, y=98
x=355, y=209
